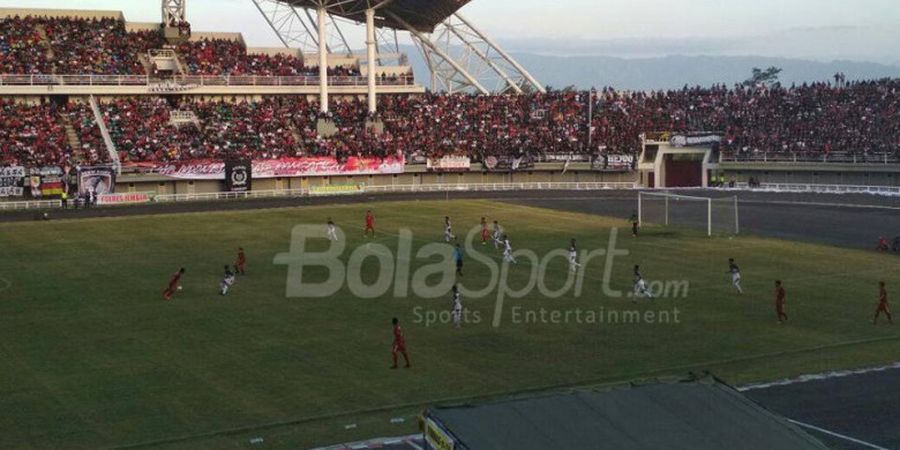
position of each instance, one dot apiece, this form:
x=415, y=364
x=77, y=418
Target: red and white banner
x=123, y=199
x=274, y=168
x=449, y=164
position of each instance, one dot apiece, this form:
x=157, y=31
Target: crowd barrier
x=32, y=204
x=827, y=188
x=410, y=188
x=471, y=187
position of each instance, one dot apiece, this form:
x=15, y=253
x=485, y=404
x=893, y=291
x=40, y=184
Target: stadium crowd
x=32, y=135
x=810, y=121
x=102, y=46
x=813, y=121
x=64, y=46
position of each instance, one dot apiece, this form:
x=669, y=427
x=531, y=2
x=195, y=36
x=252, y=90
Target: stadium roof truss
x=462, y=57
x=173, y=9
x=297, y=28
x=459, y=56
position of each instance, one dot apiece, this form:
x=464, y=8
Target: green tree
x=767, y=77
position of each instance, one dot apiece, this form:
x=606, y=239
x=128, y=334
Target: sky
x=873, y=23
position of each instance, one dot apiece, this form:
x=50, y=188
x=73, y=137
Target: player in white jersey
x=735, y=272
x=227, y=281
x=332, y=230
x=497, y=235
x=507, y=250
x=448, y=230
x=457, y=311
x=640, y=286
x=573, y=257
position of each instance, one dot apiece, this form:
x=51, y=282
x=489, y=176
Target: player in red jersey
x=883, y=306
x=399, y=344
x=485, y=232
x=173, y=284
x=370, y=224
x=240, y=262
x=779, y=301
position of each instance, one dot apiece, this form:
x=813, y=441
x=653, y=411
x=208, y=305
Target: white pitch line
x=819, y=377
x=831, y=205
x=837, y=435
x=742, y=201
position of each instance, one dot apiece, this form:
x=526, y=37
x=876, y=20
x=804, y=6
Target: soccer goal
x=714, y=215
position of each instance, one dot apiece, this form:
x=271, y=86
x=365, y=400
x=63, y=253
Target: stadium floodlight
x=712, y=214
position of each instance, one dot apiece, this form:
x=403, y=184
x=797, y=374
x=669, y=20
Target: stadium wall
x=824, y=173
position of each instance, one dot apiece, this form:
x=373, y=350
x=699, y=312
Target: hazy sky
x=566, y=19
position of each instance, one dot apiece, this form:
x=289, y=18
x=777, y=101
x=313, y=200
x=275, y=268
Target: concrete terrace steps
x=45, y=41
x=73, y=139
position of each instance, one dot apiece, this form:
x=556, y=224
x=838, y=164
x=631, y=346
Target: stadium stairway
x=326, y=128
x=45, y=41
x=73, y=139
x=145, y=63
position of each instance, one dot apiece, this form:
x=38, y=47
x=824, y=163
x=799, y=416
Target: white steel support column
x=370, y=56
x=323, y=62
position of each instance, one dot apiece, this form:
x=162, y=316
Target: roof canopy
x=696, y=415
x=422, y=15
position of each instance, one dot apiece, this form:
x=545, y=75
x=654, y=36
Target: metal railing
x=194, y=80
x=32, y=204
x=213, y=196
x=401, y=188
x=74, y=80
x=812, y=157
x=472, y=187
x=827, y=188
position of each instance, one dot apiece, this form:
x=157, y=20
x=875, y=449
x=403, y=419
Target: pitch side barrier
x=321, y=191
x=33, y=204
x=800, y=188
x=827, y=188
x=402, y=188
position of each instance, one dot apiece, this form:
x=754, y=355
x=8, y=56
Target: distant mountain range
x=670, y=72
x=806, y=55
x=676, y=71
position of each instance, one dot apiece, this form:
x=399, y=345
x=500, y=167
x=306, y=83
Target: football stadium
x=383, y=231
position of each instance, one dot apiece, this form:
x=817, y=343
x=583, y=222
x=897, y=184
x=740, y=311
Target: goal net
x=712, y=215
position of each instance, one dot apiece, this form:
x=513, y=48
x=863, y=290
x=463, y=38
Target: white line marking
x=414, y=445
x=831, y=205
x=819, y=377
x=837, y=435
x=742, y=201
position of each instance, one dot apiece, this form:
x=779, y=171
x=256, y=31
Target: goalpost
x=714, y=215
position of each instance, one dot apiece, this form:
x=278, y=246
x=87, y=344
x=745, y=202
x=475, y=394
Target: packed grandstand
x=778, y=121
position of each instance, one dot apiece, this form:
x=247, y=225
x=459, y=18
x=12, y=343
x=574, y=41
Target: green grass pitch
x=92, y=357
